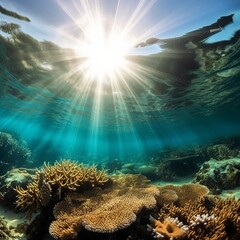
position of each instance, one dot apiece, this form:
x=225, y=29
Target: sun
x=104, y=52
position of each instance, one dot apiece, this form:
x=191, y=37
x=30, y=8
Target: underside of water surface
x=67, y=103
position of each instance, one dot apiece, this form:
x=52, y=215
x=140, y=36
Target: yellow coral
x=181, y=194
x=219, y=218
x=107, y=210
x=65, y=176
x=69, y=175
x=68, y=230
x=167, y=230
x=37, y=193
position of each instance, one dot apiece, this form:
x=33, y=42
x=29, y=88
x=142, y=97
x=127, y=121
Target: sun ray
x=107, y=71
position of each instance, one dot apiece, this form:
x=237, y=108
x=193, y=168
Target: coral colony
x=171, y=228
x=82, y=197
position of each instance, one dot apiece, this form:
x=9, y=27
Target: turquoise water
x=185, y=92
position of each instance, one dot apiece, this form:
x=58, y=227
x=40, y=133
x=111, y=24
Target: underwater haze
x=114, y=79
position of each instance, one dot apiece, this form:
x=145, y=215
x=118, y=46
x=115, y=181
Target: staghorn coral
x=209, y=218
x=181, y=194
x=37, y=193
x=69, y=176
x=65, y=176
x=104, y=210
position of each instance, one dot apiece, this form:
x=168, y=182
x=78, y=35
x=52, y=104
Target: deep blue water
x=187, y=94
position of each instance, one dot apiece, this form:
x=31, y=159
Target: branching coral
x=53, y=180
x=37, y=193
x=208, y=218
x=68, y=175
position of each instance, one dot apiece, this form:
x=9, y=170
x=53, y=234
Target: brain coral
x=105, y=210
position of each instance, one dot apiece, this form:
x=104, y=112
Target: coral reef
x=79, y=202
x=9, y=181
x=54, y=180
x=180, y=195
x=104, y=210
x=219, y=175
x=208, y=218
x=165, y=172
x=179, y=166
x=68, y=175
x=13, y=152
x=112, y=165
x=171, y=228
x=5, y=233
x=10, y=229
x=38, y=193
x=221, y=151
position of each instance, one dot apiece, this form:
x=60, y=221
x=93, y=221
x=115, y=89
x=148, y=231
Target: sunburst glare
x=104, y=53
x=107, y=68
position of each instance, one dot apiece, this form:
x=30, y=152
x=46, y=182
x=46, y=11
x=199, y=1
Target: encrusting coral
x=63, y=176
x=104, y=210
x=170, y=229
x=208, y=218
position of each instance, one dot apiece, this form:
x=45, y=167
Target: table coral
x=105, y=210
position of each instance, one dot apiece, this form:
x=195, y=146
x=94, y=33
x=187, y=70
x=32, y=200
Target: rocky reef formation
x=20, y=177
x=219, y=175
x=221, y=151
